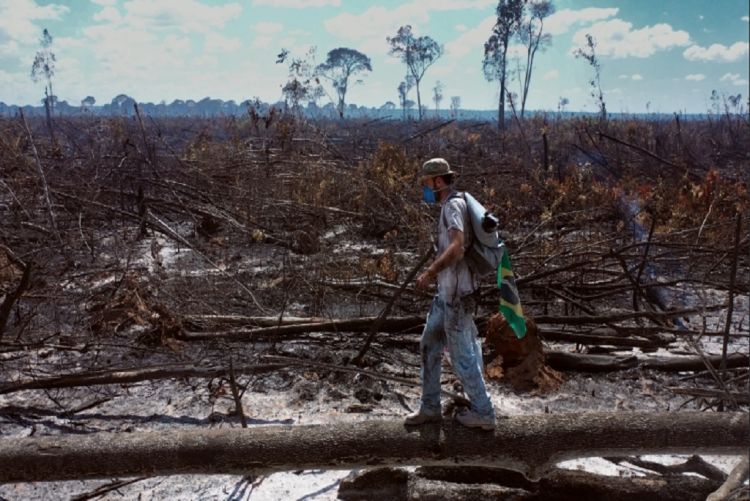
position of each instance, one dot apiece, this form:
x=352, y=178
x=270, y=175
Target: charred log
x=529, y=444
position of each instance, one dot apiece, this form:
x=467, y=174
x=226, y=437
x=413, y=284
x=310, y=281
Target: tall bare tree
x=509, y=15
x=589, y=54
x=437, y=96
x=44, y=68
x=417, y=53
x=302, y=85
x=531, y=34
x=341, y=64
x=455, y=105
x=403, y=93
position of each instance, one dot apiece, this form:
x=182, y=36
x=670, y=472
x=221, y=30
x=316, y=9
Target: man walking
x=450, y=319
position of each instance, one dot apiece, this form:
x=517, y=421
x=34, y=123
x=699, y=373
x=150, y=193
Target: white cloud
x=104, y=3
x=717, y=52
x=296, y=4
x=9, y=49
x=460, y=28
x=551, y=75
x=376, y=22
x=219, y=43
x=745, y=18
x=617, y=38
x=471, y=40
x=262, y=42
x=701, y=17
x=734, y=78
x=17, y=22
x=561, y=21
x=268, y=28
x=729, y=76
x=185, y=15
x=68, y=42
x=637, y=77
x=108, y=15
x=695, y=77
x=157, y=41
x=466, y=52
x=266, y=31
x=455, y=4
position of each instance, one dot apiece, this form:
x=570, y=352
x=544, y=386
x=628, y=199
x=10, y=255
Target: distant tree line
x=123, y=105
x=518, y=23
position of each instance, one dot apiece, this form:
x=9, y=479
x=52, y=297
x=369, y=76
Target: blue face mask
x=428, y=195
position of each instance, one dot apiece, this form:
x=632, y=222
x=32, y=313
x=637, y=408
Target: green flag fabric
x=510, y=303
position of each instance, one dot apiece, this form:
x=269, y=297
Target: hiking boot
x=422, y=417
x=471, y=419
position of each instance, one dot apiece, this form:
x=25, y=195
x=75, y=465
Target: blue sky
x=669, y=53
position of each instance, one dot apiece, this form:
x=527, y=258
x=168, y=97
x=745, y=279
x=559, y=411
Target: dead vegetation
x=130, y=242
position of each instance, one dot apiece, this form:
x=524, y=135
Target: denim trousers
x=453, y=325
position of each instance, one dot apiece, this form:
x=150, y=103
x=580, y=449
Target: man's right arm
x=451, y=255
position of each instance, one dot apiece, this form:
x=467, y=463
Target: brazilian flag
x=510, y=304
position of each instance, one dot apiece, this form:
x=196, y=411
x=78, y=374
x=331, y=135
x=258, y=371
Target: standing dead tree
x=44, y=67
x=417, y=53
x=495, y=64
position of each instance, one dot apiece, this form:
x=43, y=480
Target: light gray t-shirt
x=457, y=280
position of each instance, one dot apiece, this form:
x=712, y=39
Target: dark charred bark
x=481, y=483
x=528, y=444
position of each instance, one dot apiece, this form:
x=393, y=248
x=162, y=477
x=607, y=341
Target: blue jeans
x=453, y=324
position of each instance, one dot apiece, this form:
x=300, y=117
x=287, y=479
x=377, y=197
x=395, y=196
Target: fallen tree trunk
x=596, y=339
x=580, y=362
x=402, y=324
x=266, y=328
x=740, y=398
x=558, y=360
x=529, y=444
x=694, y=363
x=472, y=483
x=123, y=376
x=734, y=482
x=275, y=327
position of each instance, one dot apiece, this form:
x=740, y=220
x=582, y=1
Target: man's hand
x=451, y=255
x=424, y=280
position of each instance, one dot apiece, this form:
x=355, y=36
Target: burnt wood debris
x=223, y=260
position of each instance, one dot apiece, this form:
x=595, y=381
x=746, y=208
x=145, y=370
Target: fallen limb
x=595, y=339
x=123, y=376
x=529, y=444
x=579, y=362
x=620, y=317
x=564, y=361
x=106, y=488
x=362, y=324
x=734, y=481
x=694, y=464
x=270, y=327
x=470, y=483
x=694, y=363
x=677, y=168
x=198, y=321
x=375, y=326
x=740, y=398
